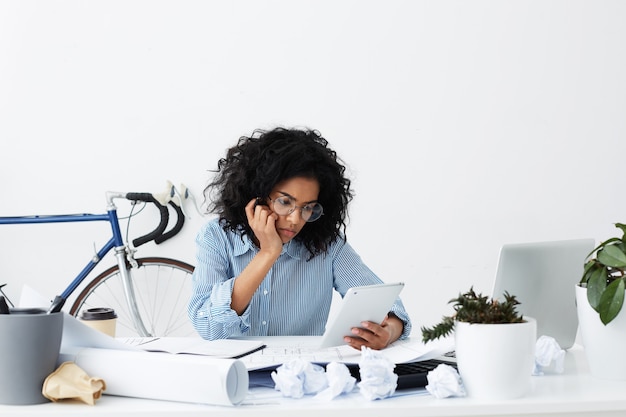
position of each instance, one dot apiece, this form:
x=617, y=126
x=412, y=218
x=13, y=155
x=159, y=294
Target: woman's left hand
x=376, y=336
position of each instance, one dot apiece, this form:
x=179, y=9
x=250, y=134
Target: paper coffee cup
x=100, y=318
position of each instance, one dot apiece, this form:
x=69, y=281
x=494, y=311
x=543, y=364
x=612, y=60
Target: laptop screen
x=543, y=277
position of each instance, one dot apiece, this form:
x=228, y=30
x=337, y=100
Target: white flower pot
x=605, y=346
x=496, y=361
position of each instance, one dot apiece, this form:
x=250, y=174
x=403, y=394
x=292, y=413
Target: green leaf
x=612, y=256
x=589, y=269
x=596, y=286
x=603, y=244
x=444, y=328
x=611, y=301
x=622, y=227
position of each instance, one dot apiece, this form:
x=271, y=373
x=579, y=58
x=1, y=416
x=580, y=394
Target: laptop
x=543, y=276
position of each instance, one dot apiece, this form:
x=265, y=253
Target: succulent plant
x=471, y=307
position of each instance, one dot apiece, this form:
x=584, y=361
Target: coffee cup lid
x=98, y=313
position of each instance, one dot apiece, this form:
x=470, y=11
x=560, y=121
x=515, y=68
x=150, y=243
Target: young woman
x=269, y=263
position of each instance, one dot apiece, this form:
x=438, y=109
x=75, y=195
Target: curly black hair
x=257, y=163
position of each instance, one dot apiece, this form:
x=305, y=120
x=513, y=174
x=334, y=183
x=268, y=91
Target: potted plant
x=494, y=344
x=599, y=301
x=604, y=276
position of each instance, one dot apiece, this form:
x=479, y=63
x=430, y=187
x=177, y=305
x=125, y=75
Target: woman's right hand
x=262, y=221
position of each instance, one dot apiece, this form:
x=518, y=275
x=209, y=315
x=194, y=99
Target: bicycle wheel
x=162, y=288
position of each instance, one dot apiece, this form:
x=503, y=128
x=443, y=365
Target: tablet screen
x=367, y=303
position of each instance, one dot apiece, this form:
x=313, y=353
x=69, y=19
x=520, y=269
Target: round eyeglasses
x=284, y=206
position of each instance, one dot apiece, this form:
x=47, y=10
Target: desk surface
x=575, y=392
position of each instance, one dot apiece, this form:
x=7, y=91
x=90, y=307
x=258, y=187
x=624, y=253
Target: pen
x=4, y=307
x=248, y=353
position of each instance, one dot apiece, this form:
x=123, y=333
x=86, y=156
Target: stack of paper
x=223, y=348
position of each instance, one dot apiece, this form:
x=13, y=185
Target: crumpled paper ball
x=340, y=381
x=444, y=381
x=377, y=377
x=547, y=351
x=298, y=377
x=69, y=381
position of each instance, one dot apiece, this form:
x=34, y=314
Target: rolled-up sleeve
x=209, y=308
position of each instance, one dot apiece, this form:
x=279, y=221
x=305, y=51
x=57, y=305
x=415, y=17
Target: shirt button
x=264, y=292
x=264, y=322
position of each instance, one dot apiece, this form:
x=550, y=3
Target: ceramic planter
x=604, y=345
x=496, y=361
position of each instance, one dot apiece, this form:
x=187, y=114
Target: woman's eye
x=284, y=201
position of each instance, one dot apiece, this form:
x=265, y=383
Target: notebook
x=543, y=276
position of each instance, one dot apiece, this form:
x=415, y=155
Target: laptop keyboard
x=412, y=374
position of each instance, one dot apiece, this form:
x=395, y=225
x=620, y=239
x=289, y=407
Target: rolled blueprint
x=164, y=376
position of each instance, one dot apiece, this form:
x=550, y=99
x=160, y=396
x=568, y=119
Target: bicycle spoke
x=162, y=288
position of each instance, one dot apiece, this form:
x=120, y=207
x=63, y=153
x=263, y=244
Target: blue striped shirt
x=293, y=299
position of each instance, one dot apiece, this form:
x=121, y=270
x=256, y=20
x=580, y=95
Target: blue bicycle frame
x=116, y=242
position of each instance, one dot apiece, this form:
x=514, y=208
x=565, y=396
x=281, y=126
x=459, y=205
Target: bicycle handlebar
x=157, y=233
x=180, y=220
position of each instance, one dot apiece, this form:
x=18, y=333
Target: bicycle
x=149, y=295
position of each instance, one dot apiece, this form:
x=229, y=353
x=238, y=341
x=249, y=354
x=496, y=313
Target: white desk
x=573, y=393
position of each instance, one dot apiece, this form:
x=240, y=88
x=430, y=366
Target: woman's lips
x=288, y=233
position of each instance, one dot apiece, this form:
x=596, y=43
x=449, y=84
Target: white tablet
x=367, y=303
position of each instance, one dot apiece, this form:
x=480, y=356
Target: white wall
x=483, y=122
